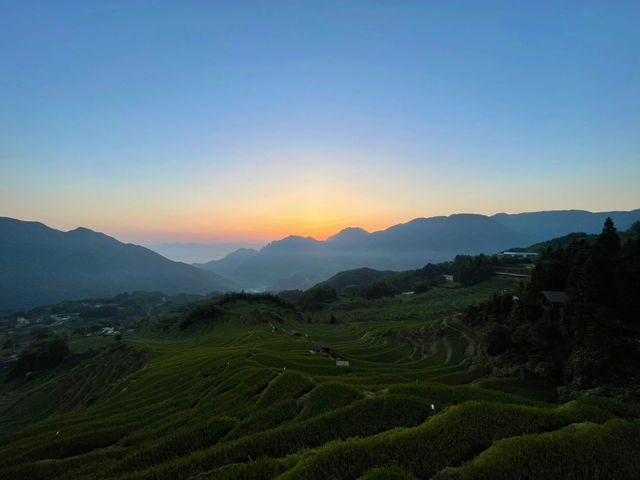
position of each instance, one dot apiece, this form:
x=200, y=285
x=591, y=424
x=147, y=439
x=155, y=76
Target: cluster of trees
x=124, y=306
x=473, y=269
x=45, y=353
x=466, y=269
x=318, y=296
x=379, y=289
x=212, y=308
x=589, y=340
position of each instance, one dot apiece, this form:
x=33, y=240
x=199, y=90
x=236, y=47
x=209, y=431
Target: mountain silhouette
x=40, y=265
x=300, y=262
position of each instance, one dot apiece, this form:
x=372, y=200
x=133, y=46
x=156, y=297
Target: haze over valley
x=200, y=252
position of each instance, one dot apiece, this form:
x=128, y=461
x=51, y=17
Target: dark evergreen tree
x=590, y=340
x=609, y=239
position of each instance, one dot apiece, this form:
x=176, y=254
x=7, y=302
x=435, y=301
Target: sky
x=188, y=121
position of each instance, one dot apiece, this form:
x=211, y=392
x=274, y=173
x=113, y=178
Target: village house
x=550, y=298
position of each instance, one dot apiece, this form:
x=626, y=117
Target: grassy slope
x=247, y=399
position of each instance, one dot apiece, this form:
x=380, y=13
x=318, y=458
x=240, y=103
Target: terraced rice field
x=258, y=400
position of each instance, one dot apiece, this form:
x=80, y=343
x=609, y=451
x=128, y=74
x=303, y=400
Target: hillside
x=297, y=262
x=228, y=264
x=193, y=253
x=249, y=389
x=541, y=226
x=40, y=265
x=359, y=277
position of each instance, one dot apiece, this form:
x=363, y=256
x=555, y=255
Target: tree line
x=587, y=338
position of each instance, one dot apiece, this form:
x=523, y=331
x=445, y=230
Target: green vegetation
x=371, y=284
x=582, y=450
x=329, y=396
x=285, y=386
x=585, y=335
x=392, y=472
x=318, y=296
x=46, y=353
x=244, y=386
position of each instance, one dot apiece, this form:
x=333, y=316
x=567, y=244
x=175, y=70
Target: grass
x=581, y=451
x=238, y=396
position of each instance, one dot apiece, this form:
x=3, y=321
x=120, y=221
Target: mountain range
x=40, y=265
x=300, y=262
x=199, y=252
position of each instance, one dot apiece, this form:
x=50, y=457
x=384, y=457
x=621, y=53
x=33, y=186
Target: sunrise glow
x=312, y=120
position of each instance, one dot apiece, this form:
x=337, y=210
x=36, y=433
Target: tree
x=609, y=239
x=634, y=229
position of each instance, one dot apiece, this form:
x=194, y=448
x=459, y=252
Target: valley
x=250, y=388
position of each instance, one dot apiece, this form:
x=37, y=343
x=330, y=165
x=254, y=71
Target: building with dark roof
x=552, y=297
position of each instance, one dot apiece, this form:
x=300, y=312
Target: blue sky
x=205, y=121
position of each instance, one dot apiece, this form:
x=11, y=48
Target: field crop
x=248, y=393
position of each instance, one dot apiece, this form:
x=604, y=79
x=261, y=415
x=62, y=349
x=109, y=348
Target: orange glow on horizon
x=306, y=208
x=317, y=227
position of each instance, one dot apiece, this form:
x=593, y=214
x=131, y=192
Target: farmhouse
x=549, y=297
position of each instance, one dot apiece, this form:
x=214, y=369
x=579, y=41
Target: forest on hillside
x=577, y=322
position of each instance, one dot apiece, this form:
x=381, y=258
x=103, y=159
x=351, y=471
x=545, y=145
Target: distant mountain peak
x=293, y=241
x=243, y=250
x=349, y=233
x=84, y=231
x=467, y=216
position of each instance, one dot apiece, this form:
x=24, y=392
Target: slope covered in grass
x=249, y=391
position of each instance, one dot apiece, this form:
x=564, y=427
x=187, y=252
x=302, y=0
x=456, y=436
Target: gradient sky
x=214, y=121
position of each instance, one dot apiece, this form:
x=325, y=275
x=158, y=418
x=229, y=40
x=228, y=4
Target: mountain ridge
x=299, y=262
x=41, y=265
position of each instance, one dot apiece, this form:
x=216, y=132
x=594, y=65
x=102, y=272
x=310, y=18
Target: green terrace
x=248, y=389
